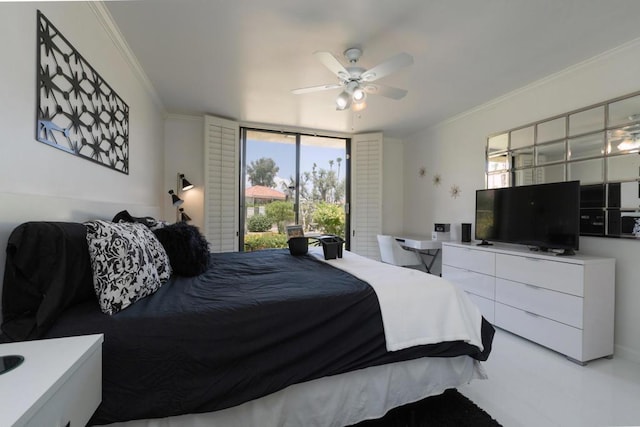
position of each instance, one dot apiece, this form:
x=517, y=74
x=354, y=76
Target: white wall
x=455, y=150
x=39, y=182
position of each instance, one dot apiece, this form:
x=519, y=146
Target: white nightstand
x=58, y=384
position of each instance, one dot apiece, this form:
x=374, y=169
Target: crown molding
x=105, y=18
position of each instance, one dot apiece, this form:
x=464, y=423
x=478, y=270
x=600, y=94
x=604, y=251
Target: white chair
x=392, y=253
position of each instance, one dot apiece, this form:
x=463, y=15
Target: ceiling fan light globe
x=343, y=101
x=359, y=95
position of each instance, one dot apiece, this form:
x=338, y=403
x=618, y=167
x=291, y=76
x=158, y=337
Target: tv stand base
x=567, y=252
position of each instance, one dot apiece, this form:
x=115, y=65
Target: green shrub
x=330, y=218
x=257, y=241
x=280, y=212
x=259, y=223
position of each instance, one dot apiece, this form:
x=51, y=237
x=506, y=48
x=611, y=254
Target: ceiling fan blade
x=388, y=91
x=387, y=67
x=330, y=61
x=315, y=88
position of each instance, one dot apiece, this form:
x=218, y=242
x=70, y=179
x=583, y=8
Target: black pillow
x=47, y=270
x=187, y=248
x=125, y=216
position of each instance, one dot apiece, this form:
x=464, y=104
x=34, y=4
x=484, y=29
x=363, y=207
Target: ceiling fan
x=356, y=82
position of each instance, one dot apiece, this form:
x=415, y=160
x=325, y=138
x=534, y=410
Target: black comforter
x=253, y=324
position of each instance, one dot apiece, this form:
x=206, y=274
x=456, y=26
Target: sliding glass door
x=291, y=178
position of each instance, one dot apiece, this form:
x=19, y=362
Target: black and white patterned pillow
x=128, y=263
x=160, y=257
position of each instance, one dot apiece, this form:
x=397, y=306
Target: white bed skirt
x=338, y=400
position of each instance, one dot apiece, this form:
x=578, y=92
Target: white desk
x=422, y=245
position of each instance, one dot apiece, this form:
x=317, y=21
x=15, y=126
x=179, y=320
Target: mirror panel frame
x=610, y=176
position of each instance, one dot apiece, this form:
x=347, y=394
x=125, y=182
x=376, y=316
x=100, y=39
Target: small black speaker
x=466, y=232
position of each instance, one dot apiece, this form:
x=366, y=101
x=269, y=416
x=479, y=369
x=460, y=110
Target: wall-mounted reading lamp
x=183, y=216
x=182, y=185
x=175, y=200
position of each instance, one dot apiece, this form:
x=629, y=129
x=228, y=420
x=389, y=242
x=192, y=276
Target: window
x=291, y=178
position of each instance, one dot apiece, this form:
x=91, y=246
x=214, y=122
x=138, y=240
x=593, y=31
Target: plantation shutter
x=221, y=194
x=366, y=194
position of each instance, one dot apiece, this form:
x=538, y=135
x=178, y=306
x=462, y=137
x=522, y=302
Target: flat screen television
x=543, y=216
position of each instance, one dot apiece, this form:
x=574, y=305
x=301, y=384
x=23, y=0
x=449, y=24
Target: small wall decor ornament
x=422, y=172
x=455, y=191
x=77, y=111
x=436, y=179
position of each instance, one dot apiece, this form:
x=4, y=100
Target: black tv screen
x=544, y=216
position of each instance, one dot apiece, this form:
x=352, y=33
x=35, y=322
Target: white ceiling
x=240, y=59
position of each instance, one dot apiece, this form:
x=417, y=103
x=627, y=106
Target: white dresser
x=58, y=384
x=565, y=303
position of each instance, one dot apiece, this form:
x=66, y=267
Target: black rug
x=450, y=409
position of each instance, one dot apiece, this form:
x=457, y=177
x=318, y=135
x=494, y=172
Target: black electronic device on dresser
x=466, y=232
x=543, y=216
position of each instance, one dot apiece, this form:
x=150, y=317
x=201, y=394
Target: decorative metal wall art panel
x=78, y=111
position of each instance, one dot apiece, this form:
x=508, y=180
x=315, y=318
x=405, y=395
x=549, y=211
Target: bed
x=258, y=338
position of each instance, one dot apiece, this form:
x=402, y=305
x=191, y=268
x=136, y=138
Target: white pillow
x=128, y=263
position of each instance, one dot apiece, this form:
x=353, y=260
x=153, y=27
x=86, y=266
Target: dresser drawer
x=554, y=305
x=470, y=281
x=558, y=276
x=556, y=336
x=469, y=259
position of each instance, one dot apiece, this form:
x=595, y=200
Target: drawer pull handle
x=531, y=314
x=532, y=286
x=533, y=259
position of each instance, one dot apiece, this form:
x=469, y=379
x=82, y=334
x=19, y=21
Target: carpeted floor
x=450, y=409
